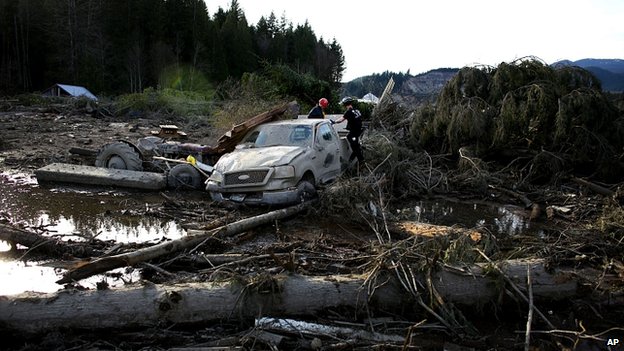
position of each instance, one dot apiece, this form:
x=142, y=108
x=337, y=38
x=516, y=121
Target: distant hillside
x=612, y=65
x=425, y=87
x=408, y=89
x=610, y=72
x=374, y=83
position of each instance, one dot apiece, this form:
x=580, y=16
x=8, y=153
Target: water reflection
x=105, y=227
x=511, y=222
x=81, y=214
x=18, y=277
x=76, y=214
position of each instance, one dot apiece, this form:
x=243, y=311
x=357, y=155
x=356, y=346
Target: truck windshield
x=285, y=134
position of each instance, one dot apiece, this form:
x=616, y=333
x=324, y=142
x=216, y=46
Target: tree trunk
x=91, y=175
x=40, y=244
x=594, y=187
x=284, y=295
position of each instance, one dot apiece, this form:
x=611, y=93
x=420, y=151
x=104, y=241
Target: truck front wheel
x=307, y=190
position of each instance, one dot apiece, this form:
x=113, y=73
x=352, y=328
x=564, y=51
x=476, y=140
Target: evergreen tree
x=236, y=41
x=118, y=46
x=304, y=42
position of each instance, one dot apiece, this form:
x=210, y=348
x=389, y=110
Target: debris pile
x=349, y=271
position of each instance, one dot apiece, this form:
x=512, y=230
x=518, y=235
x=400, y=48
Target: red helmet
x=323, y=103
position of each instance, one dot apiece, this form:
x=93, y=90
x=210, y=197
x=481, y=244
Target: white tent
x=369, y=98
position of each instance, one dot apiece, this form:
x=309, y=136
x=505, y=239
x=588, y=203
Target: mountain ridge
x=425, y=87
x=610, y=72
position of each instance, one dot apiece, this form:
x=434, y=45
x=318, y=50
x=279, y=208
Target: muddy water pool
x=80, y=213
x=72, y=213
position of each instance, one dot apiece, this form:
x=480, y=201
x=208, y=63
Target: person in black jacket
x=318, y=111
x=354, y=126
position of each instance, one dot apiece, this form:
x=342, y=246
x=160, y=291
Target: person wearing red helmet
x=318, y=111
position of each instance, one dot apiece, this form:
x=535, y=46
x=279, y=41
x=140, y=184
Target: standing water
x=72, y=213
x=69, y=212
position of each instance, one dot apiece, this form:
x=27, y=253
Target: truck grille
x=245, y=177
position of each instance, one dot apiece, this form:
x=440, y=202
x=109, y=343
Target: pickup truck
x=280, y=163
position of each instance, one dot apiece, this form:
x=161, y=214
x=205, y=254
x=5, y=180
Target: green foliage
x=280, y=82
x=114, y=47
x=570, y=78
x=585, y=127
x=289, y=82
x=560, y=114
x=470, y=123
x=465, y=88
x=526, y=116
x=366, y=109
x=241, y=101
x=421, y=128
x=468, y=82
x=511, y=76
x=37, y=100
x=185, y=79
x=180, y=103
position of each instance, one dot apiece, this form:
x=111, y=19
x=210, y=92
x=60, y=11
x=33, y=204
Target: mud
x=34, y=138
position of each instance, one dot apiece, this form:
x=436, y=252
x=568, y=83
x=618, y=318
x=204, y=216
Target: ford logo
x=243, y=177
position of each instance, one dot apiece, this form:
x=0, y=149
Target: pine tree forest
x=124, y=46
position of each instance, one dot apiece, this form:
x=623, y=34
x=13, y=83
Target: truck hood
x=258, y=157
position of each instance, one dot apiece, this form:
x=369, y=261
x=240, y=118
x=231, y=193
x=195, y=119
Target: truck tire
x=119, y=155
x=184, y=176
x=307, y=190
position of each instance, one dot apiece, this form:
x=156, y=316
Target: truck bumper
x=288, y=196
x=280, y=197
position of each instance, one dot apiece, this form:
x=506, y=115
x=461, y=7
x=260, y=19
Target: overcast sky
x=401, y=35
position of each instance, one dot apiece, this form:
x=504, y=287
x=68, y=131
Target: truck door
x=327, y=146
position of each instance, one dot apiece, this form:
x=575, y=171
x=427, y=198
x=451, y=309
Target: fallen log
x=594, y=187
x=91, y=175
x=283, y=295
x=427, y=230
x=228, y=141
x=313, y=329
x=194, y=238
x=188, y=303
x=40, y=244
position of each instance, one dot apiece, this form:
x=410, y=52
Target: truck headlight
x=284, y=172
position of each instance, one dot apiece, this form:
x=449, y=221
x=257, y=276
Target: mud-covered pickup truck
x=280, y=163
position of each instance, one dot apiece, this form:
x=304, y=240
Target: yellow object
x=201, y=167
x=190, y=159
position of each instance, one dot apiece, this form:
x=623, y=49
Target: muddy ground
x=31, y=138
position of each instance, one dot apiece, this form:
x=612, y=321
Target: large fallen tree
x=281, y=295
